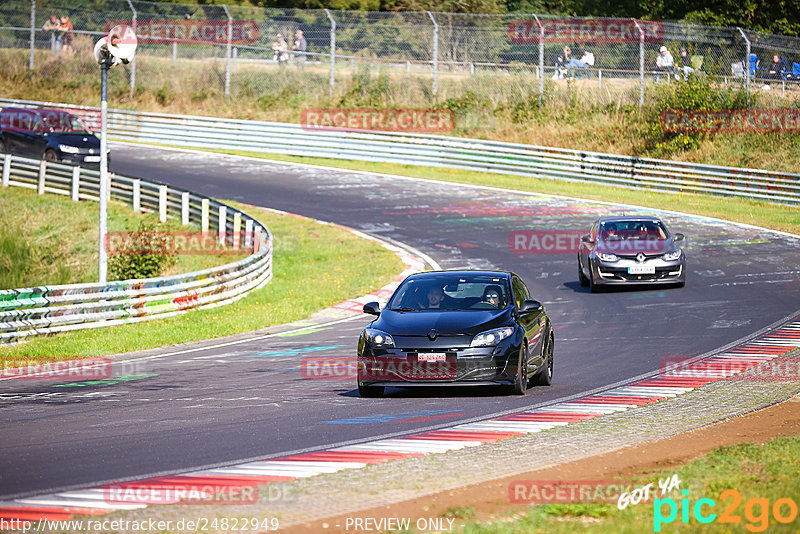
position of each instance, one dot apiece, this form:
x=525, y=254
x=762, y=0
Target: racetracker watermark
x=84, y=369
x=421, y=367
x=731, y=121
x=584, y=31
x=733, y=368
x=564, y=491
x=383, y=120
x=328, y=368
x=189, y=493
x=175, y=243
x=200, y=31
x=544, y=241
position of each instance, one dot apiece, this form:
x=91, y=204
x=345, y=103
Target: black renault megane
x=457, y=328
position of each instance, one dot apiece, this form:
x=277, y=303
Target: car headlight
x=378, y=339
x=491, y=337
x=606, y=257
x=673, y=255
x=69, y=149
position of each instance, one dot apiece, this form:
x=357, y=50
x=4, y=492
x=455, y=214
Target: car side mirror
x=679, y=237
x=586, y=239
x=372, y=308
x=531, y=306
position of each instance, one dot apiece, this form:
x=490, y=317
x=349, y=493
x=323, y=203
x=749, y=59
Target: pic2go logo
x=756, y=511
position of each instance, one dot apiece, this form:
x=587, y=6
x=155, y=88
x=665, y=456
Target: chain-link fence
x=240, y=49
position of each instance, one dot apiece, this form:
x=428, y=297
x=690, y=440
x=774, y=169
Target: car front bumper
x=617, y=273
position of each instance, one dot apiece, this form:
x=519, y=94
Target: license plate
x=642, y=269
x=91, y=159
x=432, y=356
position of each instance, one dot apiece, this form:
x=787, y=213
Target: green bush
x=145, y=254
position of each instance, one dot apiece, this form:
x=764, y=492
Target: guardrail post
x=746, y=64
x=162, y=203
x=76, y=183
x=641, y=62
x=333, y=50
x=133, y=61
x=248, y=233
x=222, y=222
x=42, y=172
x=204, y=215
x=227, y=51
x=435, y=53
x=257, y=240
x=185, y=208
x=541, y=59
x=237, y=228
x=6, y=169
x=137, y=196
x=33, y=32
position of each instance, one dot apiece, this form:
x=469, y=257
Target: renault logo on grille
x=640, y=257
x=432, y=334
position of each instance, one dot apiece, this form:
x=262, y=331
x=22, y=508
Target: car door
x=531, y=321
x=15, y=123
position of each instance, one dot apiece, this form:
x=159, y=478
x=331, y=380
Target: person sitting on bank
x=664, y=63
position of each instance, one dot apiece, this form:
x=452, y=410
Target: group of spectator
x=568, y=65
x=281, y=49
x=666, y=64
x=61, y=33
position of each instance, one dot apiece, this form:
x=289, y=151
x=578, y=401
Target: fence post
x=137, y=196
x=174, y=52
x=162, y=203
x=76, y=183
x=6, y=169
x=204, y=215
x=248, y=233
x=237, y=227
x=42, y=171
x=746, y=64
x=33, y=31
x=541, y=59
x=333, y=50
x=435, y=53
x=228, y=54
x=641, y=62
x=222, y=222
x=133, y=61
x=185, y=208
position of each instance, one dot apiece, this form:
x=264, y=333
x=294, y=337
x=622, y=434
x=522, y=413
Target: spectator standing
x=67, y=36
x=281, y=49
x=684, y=64
x=51, y=27
x=300, y=46
x=664, y=63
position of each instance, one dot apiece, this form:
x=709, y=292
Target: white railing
x=50, y=309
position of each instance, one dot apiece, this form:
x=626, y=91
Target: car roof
x=623, y=218
x=434, y=274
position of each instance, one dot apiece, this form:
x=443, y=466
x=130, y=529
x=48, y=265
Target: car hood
x=76, y=139
x=446, y=323
x=649, y=247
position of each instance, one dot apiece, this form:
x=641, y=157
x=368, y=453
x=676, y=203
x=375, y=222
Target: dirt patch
x=491, y=499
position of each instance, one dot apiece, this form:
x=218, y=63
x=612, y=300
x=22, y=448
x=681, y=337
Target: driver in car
x=435, y=297
x=491, y=295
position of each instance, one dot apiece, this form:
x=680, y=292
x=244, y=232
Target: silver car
x=630, y=250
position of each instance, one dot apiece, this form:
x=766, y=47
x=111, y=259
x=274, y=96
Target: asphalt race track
x=221, y=404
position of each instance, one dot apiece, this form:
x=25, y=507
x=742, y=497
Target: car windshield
x=449, y=292
x=62, y=122
x=639, y=229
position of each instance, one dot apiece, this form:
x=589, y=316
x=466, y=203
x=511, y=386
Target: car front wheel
x=582, y=277
x=50, y=155
x=545, y=376
x=520, y=386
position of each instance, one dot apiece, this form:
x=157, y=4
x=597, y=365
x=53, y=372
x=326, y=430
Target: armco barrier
x=50, y=309
x=444, y=151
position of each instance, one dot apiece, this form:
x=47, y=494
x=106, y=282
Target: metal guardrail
x=50, y=309
x=444, y=151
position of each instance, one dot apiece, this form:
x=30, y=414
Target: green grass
x=769, y=471
x=314, y=266
x=777, y=217
x=48, y=239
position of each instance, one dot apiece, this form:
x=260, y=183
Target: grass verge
x=36, y=249
x=777, y=217
x=314, y=266
x=760, y=476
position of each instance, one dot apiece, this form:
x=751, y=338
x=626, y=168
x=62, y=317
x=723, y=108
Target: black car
x=630, y=250
x=51, y=134
x=457, y=328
